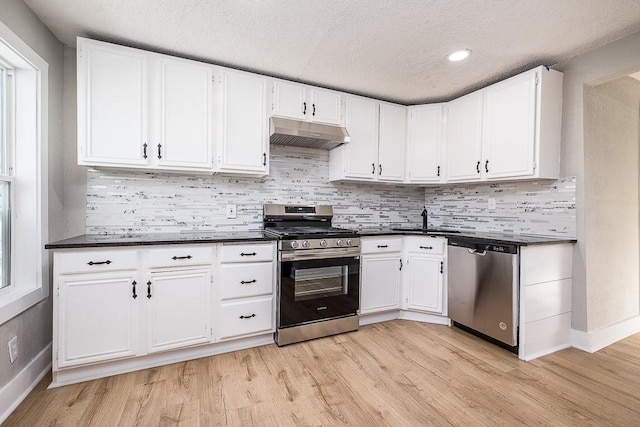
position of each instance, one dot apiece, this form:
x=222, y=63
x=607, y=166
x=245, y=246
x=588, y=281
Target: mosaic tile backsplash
x=537, y=207
x=141, y=202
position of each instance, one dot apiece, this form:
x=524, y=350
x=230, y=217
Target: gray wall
x=611, y=115
x=597, y=66
x=33, y=327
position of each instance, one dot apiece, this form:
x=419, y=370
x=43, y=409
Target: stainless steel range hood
x=297, y=133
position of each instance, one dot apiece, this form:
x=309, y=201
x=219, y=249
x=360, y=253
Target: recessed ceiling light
x=459, y=55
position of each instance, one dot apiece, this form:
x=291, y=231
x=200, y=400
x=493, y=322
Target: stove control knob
x=306, y=244
x=294, y=245
x=349, y=242
x=339, y=242
x=323, y=243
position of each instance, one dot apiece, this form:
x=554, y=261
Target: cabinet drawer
x=381, y=244
x=89, y=261
x=426, y=245
x=246, y=317
x=246, y=280
x=179, y=255
x=247, y=253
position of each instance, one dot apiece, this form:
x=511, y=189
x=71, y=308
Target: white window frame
x=30, y=263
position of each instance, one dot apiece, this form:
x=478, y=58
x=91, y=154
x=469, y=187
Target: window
x=24, y=264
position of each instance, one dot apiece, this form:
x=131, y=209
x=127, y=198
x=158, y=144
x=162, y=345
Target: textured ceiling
x=388, y=49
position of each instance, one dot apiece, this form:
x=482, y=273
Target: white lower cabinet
x=424, y=281
x=381, y=271
x=179, y=310
x=98, y=317
x=245, y=317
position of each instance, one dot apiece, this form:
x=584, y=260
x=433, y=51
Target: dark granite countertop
x=112, y=240
x=495, y=238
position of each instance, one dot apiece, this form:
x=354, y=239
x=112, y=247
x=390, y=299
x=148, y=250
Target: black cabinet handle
x=478, y=167
x=180, y=257
x=486, y=166
x=401, y=264
x=248, y=317
x=373, y=168
x=441, y=267
x=304, y=108
x=144, y=150
x=149, y=289
x=383, y=246
x=438, y=170
x=314, y=110
x=134, y=295
x=248, y=281
x=380, y=169
x=248, y=254
x=159, y=151
x=99, y=262
x=426, y=247
x=264, y=159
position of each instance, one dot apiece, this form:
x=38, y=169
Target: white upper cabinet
x=393, y=126
x=424, y=144
x=308, y=103
x=242, y=127
x=464, y=138
x=112, y=104
x=521, y=132
x=183, y=129
x=376, y=150
x=139, y=109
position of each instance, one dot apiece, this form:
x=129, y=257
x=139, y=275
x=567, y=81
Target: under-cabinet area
x=118, y=309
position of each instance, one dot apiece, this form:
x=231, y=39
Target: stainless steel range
x=319, y=273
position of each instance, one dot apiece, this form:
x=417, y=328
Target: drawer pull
x=149, y=289
x=383, y=246
x=134, y=295
x=426, y=247
x=248, y=317
x=248, y=254
x=181, y=257
x=248, y=281
x=99, y=262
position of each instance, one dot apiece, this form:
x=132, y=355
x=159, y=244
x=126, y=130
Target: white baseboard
x=601, y=338
x=13, y=393
x=367, y=319
x=425, y=317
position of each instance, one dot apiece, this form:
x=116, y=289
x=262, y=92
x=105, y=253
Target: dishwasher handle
x=477, y=252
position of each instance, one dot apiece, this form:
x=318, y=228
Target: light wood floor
x=397, y=373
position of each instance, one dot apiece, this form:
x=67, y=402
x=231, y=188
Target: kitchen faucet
x=424, y=214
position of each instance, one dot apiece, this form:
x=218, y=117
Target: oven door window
x=320, y=282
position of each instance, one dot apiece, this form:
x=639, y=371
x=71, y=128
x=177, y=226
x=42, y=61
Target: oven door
x=318, y=289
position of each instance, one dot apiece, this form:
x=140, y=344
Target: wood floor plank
x=397, y=373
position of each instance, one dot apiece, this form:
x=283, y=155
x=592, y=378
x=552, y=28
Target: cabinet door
x=425, y=142
x=112, y=104
x=326, y=106
x=393, y=125
x=184, y=128
x=425, y=283
x=361, y=153
x=289, y=101
x=179, y=309
x=464, y=138
x=97, y=317
x=380, y=290
x=509, y=127
x=243, y=140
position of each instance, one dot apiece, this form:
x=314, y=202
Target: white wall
x=611, y=128
x=597, y=66
x=33, y=327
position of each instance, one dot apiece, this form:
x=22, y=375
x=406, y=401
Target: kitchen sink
x=432, y=231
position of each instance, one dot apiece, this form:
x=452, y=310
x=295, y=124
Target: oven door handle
x=312, y=254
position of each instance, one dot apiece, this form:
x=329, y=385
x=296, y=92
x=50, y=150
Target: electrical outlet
x=13, y=349
x=492, y=203
x=231, y=211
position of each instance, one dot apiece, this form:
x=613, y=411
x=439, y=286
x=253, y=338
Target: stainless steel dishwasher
x=483, y=288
